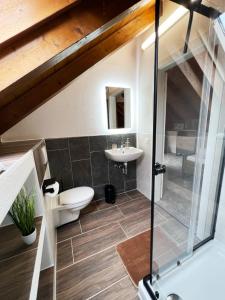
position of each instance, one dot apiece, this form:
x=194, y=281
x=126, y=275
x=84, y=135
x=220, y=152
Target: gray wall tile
x=114, y=139
x=99, y=192
x=60, y=167
x=82, y=173
x=98, y=143
x=130, y=185
x=56, y=144
x=116, y=177
x=81, y=161
x=99, y=165
x=132, y=138
x=119, y=138
x=131, y=170
x=79, y=148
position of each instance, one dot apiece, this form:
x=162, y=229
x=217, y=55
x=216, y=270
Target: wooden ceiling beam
x=48, y=80
x=18, y=17
x=42, y=47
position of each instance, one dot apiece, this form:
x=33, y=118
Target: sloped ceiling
x=43, y=53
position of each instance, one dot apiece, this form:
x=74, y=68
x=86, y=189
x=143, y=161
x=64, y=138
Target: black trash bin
x=110, y=193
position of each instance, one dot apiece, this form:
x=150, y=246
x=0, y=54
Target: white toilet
x=71, y=202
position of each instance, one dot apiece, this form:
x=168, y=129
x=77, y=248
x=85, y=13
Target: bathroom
x=86, y=153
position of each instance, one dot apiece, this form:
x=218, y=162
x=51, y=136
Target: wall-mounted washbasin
x=124, y=154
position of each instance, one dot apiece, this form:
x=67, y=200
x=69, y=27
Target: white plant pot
x=30, y=238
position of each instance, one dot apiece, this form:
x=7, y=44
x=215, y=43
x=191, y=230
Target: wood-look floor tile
x=134, y=206
x=136, y=223
x=90, y=208
x=45, y=287
x=163, y=243
x=100, y=218
x=140, y=222
x=134, y=194
x=166, y=259
x=101, y=204
x=122, y=290
x=90, y=276
x=121, y=198
x=67, y=231
x=97, y=240
x=177, y=231
x=165, y=249
x=162, y=212
x=64, y=254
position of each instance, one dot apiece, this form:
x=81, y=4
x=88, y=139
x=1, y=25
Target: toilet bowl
x=71, y=202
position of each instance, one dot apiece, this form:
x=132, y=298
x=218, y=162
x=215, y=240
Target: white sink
x=124, y=154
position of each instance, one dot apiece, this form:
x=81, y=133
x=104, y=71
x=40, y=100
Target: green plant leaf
x=23, y=212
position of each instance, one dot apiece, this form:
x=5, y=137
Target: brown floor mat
x=135, y=254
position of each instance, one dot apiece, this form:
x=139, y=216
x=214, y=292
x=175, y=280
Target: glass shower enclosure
x=188, y=133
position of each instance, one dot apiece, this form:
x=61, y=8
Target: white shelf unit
x=37, y=266
x=23, y=172
x=12, y=180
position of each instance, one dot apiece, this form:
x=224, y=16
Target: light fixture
x=170, y=21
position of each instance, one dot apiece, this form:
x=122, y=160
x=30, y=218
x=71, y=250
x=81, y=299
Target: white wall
x=80, y=109
x=145, y=116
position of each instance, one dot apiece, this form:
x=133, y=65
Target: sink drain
x=173, y=297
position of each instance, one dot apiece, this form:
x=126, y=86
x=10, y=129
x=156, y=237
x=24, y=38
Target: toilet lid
x=76, y=195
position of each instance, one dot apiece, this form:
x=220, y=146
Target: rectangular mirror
x=118, y=107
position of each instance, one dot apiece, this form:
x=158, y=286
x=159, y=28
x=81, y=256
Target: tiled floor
x=88, y=266
x=177, y=193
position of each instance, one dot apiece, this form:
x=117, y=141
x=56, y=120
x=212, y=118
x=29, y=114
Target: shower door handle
x=159, y=169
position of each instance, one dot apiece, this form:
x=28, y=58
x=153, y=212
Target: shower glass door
x=189, y=138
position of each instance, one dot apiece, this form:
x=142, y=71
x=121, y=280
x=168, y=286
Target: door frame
x=160, y=129
x=205, y=205
x=161, y=115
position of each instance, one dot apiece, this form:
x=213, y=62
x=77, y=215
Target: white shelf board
x=12, y=180
x=37, y=266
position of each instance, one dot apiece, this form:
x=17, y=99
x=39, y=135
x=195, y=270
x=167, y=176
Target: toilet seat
x=76, y=196
x=70, y=203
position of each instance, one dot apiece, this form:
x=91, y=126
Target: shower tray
x=199, y=278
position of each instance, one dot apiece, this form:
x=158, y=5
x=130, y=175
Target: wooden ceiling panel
x=39, y=46
x=36, y=67
x=18, y=16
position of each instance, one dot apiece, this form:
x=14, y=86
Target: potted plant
x=23, y=215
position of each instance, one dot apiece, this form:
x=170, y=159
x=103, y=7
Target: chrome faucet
x=122, y=144
x=127, y=143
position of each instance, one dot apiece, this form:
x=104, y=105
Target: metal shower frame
x=157, y=168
